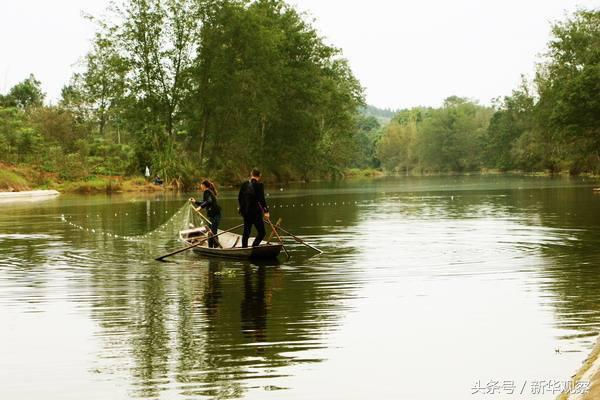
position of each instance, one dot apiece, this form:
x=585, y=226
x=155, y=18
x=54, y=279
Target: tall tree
x=452, y=138
x=396, y=149
x=103, y=84
x=568, y=110
x=267, y=85
x=512, y=119
x=158, y=38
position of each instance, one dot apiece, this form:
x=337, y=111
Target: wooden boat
x=231, y=245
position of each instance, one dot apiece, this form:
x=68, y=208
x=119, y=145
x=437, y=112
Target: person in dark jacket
x=253, y=207
x=213, y=210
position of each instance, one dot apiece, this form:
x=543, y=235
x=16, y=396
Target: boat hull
x=265, y=251
x=231, y=246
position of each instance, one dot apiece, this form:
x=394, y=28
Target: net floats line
x=134, y=238
x=185, y=208
x=125, y=214
x=319, y=204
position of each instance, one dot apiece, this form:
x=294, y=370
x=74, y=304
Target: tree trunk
x=263, y=123
x=203, y=136
x=169, y=126
x=102, y=123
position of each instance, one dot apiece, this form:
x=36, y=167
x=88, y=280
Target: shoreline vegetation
x=175, y=87
x=24, y=178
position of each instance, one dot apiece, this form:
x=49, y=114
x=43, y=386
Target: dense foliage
x=436, y=140
x=195, y=87
x=551, y=124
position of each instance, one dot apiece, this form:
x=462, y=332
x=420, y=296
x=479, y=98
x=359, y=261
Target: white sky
x=405, y=53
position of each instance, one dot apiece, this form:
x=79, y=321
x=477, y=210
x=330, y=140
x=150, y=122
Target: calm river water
x=428, y=288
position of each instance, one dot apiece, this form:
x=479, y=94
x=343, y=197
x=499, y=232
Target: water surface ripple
x=426, y=286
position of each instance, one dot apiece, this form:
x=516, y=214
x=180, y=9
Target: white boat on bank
x=32, y=195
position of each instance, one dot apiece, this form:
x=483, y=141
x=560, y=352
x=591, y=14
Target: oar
x=301, y=241
x=195, y=244
x=278, y=237
x=275, y=231
x=208, y=221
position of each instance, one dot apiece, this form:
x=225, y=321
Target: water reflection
x=570, y=275
x=202, y=327
x=254, y=305
x=151, y=343
x=401, y=257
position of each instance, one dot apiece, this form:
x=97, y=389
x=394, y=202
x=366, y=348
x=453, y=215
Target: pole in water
x=301, y=241
x=274, y=231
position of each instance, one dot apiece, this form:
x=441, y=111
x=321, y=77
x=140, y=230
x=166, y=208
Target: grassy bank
x=24, y=177
x=485, y=171
x=107, y=184
x=363, y=173
x=11, y=181
x=18, y=178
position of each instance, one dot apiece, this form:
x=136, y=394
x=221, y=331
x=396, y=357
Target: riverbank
x=11, y=181
x=589, y=372
x=15, y=178
x=18, y=178
x=108, y=184
x=22, y=178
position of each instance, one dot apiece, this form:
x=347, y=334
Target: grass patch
x=363, y=173
x=94, y=185
x=108, y=184
x=139, y=184
x=11, y=181
x=26, y=177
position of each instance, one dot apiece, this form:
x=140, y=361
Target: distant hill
x=383, y=115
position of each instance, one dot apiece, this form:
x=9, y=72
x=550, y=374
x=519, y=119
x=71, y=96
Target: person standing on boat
x=253, y=207
x=213, y=210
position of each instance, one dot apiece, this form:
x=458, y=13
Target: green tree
x=452, y=138
x=57, y=126
x=367, y=134
x=568, y=111
x=18, y=140
x=138, y=76
x=396, y=149
x=103, y=84
x=216, y=86
x=267, y=85
x=511, y=120
x=25, y=94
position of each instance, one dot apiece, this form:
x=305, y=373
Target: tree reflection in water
x=223, y=329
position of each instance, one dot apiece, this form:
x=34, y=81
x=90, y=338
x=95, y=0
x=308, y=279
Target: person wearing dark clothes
x=253, y=207
x=213, y=210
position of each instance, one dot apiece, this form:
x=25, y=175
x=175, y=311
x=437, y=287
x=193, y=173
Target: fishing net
x=184, y=218
x=191, y=219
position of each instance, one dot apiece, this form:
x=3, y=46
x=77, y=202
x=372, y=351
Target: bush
x=11, y=181
x=72, y=167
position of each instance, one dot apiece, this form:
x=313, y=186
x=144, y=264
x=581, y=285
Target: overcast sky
x=405, y=53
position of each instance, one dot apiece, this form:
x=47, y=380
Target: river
x=428, y=288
